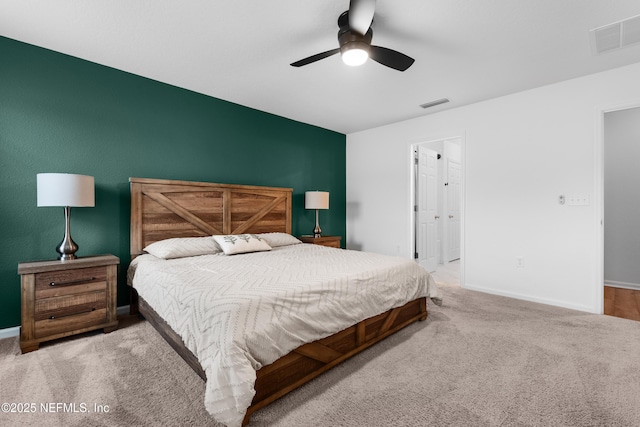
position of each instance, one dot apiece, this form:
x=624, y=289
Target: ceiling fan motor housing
x=349, y=39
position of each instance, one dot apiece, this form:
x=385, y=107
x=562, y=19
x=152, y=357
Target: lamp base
x=317, y=230
x=67, y=248
x=65, y=257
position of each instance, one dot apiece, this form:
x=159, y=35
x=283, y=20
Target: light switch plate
x=578, y=200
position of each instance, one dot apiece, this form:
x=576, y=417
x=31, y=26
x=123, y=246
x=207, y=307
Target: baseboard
x=10, y=332
x=623, y=285
x=530, y=298
x=15, y=331
x=122, y=310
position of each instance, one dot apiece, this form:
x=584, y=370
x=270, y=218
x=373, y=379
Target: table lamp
x=66, y=190
x=316, y=200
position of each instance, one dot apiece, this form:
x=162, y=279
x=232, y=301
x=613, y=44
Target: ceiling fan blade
x=314, y=58
x=391, y=58
x=361, y=15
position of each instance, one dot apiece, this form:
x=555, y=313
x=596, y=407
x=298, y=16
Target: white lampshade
x=65, y=189
x=316, y=200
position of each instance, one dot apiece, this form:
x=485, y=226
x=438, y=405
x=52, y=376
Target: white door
x=427, y=195
x=453, y=208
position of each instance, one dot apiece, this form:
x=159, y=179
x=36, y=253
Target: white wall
x=622, y=198
x=520, y=153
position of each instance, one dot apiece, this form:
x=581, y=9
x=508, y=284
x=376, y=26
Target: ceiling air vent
x=615, y=36
x=434, y=103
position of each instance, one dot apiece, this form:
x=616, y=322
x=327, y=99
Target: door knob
x=437, y=216
x=450, y=216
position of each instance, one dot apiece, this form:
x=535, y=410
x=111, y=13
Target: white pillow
x=180, y=247
x=241, y=243
x=279, y=239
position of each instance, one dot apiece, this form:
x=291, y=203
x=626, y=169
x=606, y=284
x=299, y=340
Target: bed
x=300, y=312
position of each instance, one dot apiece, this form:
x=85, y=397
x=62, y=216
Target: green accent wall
x=63, y=114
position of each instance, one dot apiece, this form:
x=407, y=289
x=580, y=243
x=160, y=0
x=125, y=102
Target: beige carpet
x=479, y=360
x=448, y=274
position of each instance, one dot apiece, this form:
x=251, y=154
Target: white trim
x=10, y=332
x=463, y=204
x=623, y=285
x=598, y=285
x=529, y=298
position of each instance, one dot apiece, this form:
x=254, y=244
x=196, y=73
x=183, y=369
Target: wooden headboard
x=162, y=209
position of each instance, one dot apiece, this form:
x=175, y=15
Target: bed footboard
x=308, y=361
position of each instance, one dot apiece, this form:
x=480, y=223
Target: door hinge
x=415, y=208
x=415, y=255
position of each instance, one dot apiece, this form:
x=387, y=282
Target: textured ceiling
x=240, y=51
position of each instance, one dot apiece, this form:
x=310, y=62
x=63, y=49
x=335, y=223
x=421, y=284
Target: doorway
x=437, y=202
x=621, y=208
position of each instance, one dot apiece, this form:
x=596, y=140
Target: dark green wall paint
x=63, y=114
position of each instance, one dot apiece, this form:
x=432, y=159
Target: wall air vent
x=434, y=103
x=615, y=36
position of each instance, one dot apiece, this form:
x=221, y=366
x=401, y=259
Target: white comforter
x=238, y=313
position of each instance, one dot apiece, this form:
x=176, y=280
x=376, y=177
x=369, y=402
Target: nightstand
x=62, y=298
x=331, y=241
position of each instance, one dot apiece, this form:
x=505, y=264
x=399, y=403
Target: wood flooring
x=621, y=302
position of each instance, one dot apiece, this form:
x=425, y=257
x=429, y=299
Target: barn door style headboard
x=162, y=209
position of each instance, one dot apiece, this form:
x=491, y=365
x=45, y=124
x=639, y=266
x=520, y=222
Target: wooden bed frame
x=162, y=209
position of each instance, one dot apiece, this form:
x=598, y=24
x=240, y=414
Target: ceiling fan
x=354, y=38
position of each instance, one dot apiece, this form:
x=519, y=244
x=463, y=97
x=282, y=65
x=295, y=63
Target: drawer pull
x=72, y=282
x=74, y=314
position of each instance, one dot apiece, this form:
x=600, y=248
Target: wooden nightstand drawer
x=61, y=298
x=47, y=327
x=69, y=305
x=66, y=282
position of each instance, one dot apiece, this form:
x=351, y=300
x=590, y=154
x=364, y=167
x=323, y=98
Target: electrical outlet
x=520, y=261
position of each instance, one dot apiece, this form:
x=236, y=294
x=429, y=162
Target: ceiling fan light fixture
x=354, y=53
x=355, y=41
